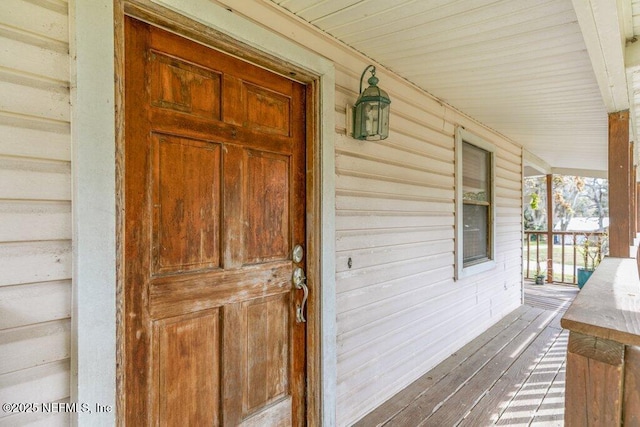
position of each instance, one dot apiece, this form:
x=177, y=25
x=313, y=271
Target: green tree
x=597, y=199
x=566, y=194
x=535, y=207
x=572, y=197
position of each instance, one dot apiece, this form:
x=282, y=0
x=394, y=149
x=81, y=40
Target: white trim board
x=94, y=306
x=536, y=163
x=93, y=337
x=600, y=26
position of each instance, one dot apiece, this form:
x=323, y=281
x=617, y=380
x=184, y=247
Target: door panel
x=266, y=229
x=266, y=111
x=187, y=367
x=186, y=202
x=214, y=203
x=267, y=361
x=180, y=86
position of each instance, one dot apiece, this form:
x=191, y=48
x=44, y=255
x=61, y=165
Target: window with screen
x=476, y=164
x=474, y=197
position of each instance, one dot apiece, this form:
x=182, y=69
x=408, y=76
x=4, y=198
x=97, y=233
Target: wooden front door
x=214, y=204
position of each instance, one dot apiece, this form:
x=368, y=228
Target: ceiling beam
x=587, y=173
x=535, y=166
x=605, y=40
x=625, y=10
x=536, y=163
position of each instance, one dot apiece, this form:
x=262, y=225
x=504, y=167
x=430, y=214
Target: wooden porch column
x=632, y=195
x=619, y=183
x=549, y=228
x=637, y=185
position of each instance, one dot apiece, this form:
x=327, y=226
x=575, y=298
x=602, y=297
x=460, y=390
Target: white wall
x=35, y=207
x=394, y=219
x=399, y=310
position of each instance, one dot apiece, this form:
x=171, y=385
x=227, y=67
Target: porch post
x=633, y=206
x=637, y=186
x=632, y=195
x=549, y=228
x=619, y=183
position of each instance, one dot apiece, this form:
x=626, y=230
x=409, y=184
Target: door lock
x=300, y=282
x=298, y=254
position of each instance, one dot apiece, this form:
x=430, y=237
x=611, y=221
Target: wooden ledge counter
x=609, y=304
x=603, y=355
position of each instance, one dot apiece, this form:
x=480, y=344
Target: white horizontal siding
x=53, y=104
x=34, y=180
x=37, y=419
x=40, y=62
x=34, y=303
x=42, y=383
x=33, y=345
x=33, y=262
x=34, y=220
x=46, y=20
x=24, y=142
x=35, y=207
x=399, y=311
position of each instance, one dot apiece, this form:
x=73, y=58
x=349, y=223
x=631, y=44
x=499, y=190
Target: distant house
x=585, y=225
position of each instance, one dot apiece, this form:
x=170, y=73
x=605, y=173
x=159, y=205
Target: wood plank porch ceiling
x=520, y=67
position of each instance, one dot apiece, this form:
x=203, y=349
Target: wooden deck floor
x=511, y=375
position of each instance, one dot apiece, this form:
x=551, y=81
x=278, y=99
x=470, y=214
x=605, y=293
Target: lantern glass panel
x=371, y=121
x=359, y=131
x=384, y=121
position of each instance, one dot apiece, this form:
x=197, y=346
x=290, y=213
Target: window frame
x=463, y=136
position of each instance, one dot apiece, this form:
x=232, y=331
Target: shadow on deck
x=513, y=374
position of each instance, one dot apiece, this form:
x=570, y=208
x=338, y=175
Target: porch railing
x=603, y=355
x=567, y=253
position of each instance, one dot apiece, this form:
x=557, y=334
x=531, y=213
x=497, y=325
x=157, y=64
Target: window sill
x=478, y=267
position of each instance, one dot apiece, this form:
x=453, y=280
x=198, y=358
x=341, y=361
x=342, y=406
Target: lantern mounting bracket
x=373, y=74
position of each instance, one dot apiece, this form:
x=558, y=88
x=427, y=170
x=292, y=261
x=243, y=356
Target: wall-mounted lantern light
x=371, y=112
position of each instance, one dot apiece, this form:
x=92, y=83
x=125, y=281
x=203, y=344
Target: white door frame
x=94, y=344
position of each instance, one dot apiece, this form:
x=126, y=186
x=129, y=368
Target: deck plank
x=511, y=363
x=551, y=411
x=428, y=403
x=536, y=399
x=527, y=367
x=422, y=385
x=513, y=374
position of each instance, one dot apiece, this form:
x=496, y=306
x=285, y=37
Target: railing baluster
x=564, y=277
x=537, y=252
x=562, y=263
x=528, y=254
x=575, y=258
